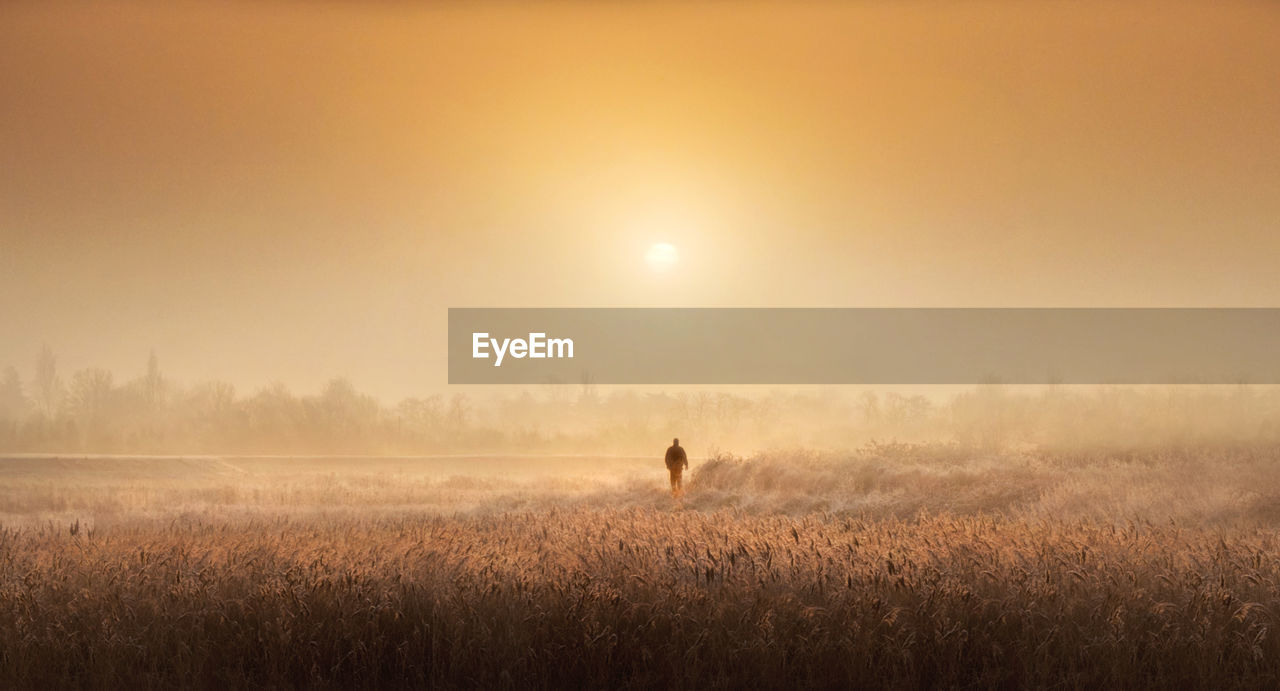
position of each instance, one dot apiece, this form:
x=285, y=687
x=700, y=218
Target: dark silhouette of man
x=677, y=461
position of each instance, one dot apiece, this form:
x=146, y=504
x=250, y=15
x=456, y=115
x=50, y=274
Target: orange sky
x=282, y=191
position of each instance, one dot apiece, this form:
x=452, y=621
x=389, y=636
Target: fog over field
x=1221, y=484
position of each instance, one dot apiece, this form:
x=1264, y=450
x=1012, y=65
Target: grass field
x=893, y=566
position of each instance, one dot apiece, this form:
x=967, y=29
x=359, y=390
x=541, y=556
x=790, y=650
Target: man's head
x=675, y=442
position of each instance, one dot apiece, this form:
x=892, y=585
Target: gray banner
x=863, y=346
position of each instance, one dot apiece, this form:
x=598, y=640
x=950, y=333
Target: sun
x=662, y=256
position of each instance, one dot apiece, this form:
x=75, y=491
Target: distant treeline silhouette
x=93, y=412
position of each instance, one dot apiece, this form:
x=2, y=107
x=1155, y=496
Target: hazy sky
x=274, y=191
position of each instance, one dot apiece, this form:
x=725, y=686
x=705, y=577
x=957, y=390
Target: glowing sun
x=662, y=256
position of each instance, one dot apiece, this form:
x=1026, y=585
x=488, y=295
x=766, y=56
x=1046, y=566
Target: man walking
x=677, y=461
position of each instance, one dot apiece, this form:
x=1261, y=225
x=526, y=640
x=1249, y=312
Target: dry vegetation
x=899, y=566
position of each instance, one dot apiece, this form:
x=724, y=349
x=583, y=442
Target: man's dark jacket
x=676, y=458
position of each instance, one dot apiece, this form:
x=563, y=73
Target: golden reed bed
x=570, y=585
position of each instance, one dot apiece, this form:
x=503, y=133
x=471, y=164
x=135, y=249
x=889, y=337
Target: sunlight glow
x=662, y=256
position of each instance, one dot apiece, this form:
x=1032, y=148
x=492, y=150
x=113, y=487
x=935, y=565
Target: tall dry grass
x=898, y=567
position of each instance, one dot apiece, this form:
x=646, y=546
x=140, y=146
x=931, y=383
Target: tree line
x=92, y=411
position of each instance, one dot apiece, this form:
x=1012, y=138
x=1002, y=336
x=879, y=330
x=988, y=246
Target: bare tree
x=11, y=399
x=91, y=394
x=47, y=387
x=153, y=383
